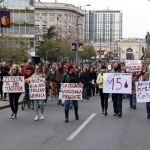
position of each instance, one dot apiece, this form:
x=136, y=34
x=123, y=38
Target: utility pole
x=77, y=43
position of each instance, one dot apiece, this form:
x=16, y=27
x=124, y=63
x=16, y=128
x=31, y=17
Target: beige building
x=131, y=48
x=62, y=16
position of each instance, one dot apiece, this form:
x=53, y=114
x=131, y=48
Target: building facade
x=61, y=16
x=103, y=26
x=21, y=19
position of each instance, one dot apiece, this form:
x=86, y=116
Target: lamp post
x=54, y=49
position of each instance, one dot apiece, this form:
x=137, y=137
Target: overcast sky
x=136, y=13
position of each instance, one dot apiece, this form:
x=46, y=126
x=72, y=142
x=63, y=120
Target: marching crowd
x=56, y=73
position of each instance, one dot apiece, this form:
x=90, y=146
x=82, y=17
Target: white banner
x=134, y=65
x=142, y=91
x=117, y=83
x=71, y=91
x=37, y=88
x=13, y=84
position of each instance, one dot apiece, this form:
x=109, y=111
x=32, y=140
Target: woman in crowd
x=103, y=96
x=59, y=76
x=70, y=77
x=47, y=79
x=84, y=80
x=37, y=102
x=14, y=97
x=133, y=95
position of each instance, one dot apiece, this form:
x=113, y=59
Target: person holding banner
x=38, y=102
x=70, y=77
x=117, y=98
x=146, y=77
x=103, y=96
x=14, y=97
x=133, y=95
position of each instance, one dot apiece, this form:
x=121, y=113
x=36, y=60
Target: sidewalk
x=5, y=104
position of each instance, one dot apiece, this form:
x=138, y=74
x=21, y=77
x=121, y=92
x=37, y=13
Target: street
x=131, y=132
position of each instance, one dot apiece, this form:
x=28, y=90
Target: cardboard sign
x=37, y=89
x=117, y=83
x=71, y=91
x=134, y=65
x=13, y=84
x=142, y=91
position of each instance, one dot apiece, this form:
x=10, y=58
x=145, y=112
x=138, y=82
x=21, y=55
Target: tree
x=148, y=50
x=50, y=33
x=14, y=48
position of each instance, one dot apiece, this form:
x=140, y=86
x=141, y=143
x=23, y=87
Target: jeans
x=84, y=93
x=117, y=103
x=75, y=104
x=104, y=99
x=133, y=100
x=148, y=108
x=38, y=103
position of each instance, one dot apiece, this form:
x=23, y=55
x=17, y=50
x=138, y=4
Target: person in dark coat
x=84, y=80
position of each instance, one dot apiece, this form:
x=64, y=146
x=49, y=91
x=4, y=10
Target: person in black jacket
x=92, y=80
x=84, y=80
x=70, y=77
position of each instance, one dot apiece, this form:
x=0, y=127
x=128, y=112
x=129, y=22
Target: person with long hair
x=38, y=102
x=14, y=97
x=70, y=77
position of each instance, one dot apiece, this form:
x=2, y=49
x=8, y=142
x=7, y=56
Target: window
x=37, y=16
x=36, y=28
x=52, y=17
x=59, y=17
x=22, y=30
x=44, y=28
x=37, y=38
x=32, y=44
x=44, y=16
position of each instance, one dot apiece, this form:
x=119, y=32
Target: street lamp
x=54, y=49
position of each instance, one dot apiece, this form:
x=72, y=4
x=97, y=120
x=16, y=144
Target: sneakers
x=50, y=99
x=36, y=118
x=102, y=112
x=42, y=117
x=84, y=100
x=11, y=115
x=120, y=115
x=14, y=116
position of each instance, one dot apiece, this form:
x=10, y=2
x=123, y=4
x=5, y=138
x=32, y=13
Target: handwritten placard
x=142, y=91
x=37, y=88
x=134, y=65
x=117, y=82
x=71, y=91
x=13, y=84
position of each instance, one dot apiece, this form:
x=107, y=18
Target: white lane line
x=74, y=134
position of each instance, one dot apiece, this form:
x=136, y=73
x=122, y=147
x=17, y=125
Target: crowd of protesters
x=91, y=76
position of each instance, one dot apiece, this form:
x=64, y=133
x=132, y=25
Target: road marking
x=74, y=134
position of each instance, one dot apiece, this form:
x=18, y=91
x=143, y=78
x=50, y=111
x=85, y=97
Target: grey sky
x=136, y=13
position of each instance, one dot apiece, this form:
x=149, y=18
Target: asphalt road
x=131, y=132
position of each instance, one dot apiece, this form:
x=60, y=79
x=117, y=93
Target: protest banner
x=13, y=84
x=134, y=65
x=37, y=88
x=71, y=91
x=142, y=91
x=117, y=83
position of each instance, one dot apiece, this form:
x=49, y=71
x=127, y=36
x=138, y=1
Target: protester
x=14, y=97
x=70, y=77
x=59, y=76
x=103, y=96
x=133, y=95
x=53, y=84
x=38, y=102
x=146, y=77
x=84, y=80
x=117, y=98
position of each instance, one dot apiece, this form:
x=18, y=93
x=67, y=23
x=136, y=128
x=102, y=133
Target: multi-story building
x=22, y=20
x=103, y=26
x=61, y=16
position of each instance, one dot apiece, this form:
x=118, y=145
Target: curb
x=7, y=106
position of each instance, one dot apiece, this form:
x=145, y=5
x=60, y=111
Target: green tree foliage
x=14, y=48
x=148, y=50
x=50, y=33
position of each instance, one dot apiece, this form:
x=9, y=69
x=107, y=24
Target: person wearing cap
x=103, y=96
